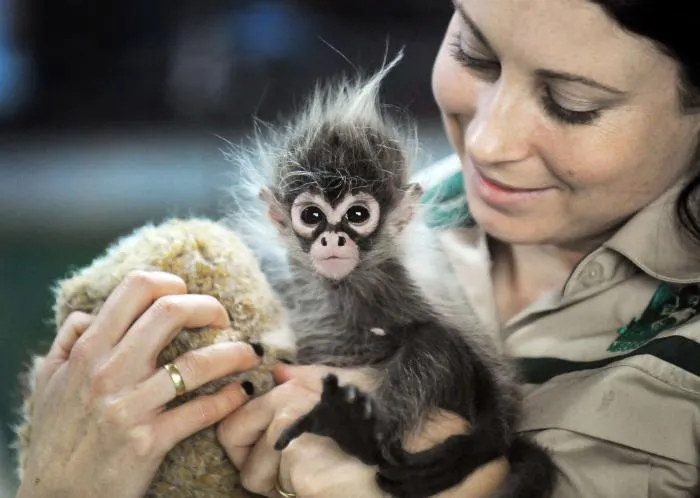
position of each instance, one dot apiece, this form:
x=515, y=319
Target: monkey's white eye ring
x=358, y=214
x=312, y=215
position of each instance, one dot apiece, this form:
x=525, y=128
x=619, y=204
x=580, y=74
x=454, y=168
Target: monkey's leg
x=346, y=415
x=446, y=373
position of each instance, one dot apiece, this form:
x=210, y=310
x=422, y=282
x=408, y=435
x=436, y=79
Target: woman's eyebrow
x=472, y=26
x=575, y=78
x=543, y=73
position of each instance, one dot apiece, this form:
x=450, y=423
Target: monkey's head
x=342, y=199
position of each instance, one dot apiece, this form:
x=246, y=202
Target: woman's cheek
x=454, y=92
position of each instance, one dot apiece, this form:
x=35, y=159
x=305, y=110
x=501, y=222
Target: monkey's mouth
x=335, y=267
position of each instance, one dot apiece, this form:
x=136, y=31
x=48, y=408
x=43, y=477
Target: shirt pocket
x=642, y=403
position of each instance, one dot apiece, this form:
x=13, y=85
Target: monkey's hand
x=346, y=415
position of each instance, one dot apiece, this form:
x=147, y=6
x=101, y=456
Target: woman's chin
x=509, y=228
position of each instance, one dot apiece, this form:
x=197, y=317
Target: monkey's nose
x=334, y=239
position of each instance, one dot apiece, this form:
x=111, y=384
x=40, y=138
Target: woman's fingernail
x=258, y=349
x=248, y=387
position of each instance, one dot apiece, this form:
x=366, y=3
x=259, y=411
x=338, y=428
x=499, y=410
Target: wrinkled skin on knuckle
x=231, y=397
x=210, y=410
x=194, y=365
x=83, y=353
x=115, y=412
x=139, y=279
x=101, y=380
x=143, y=443
x=168, y=308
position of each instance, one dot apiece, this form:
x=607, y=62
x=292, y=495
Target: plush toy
x=212, y=260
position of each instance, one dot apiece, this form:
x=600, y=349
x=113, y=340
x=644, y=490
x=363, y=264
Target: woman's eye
x=480, y=64
x=564, y=114
x=312, y=215
x=357, y=215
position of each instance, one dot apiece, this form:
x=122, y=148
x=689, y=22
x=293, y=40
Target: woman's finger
x=126, y=303
x=197, y=368
x=172, y=426
x=68, y=333
x=240, y=431
x=160, y=323
x=260, y=470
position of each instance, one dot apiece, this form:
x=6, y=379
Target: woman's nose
x=500, y=129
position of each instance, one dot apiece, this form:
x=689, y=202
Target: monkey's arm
x=433, y=368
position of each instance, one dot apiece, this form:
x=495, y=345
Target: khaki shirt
x=610, y=364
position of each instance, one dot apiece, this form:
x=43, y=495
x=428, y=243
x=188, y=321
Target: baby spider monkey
x=367, y=285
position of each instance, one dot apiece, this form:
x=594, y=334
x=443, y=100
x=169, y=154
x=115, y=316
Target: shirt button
x=592, y=274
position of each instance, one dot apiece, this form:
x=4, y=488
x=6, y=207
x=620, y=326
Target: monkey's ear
x=275, y=211
x=407, y=207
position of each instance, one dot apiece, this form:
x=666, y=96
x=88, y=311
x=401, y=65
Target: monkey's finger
x=126, y=303
x=172, y=426
x=68, y=333
x=197, y=367
x=293, y=431
x=159, y=324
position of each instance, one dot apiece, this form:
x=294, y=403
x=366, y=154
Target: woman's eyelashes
x=479, y=63
x=564, y=114
x=490, y=69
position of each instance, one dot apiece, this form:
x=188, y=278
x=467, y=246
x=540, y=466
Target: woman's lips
x=494, y=192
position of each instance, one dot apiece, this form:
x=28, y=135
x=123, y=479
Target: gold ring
x=282, y=492
x=177, y=379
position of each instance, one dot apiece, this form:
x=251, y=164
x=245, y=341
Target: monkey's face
x=335, y=234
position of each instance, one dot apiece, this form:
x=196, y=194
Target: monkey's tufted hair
x=212, y=260
x=342, y=140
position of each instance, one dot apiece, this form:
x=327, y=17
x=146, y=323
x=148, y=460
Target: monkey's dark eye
x=312, y=215
x=357, y=215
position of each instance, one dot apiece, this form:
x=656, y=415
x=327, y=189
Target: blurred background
x=115, y=113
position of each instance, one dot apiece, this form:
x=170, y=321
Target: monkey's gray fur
x=430, y=352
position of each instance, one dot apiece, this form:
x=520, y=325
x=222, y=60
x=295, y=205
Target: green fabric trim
x=446, y=204
x=677, y=350
x=670, y=306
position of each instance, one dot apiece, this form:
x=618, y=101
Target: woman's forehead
x=572, y=36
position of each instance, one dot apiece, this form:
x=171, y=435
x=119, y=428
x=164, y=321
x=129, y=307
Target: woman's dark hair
x=671, y=25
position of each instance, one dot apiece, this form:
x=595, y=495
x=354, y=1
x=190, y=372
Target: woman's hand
x=313, y=466
x=99, y=427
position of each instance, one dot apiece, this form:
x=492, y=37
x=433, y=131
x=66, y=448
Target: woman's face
x=565, y=124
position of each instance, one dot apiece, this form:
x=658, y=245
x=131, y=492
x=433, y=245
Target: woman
x=573, y=124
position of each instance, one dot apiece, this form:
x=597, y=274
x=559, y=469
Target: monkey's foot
x=426, y=473
x=344, y=414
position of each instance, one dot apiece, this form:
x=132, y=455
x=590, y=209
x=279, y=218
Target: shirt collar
x=654, y=242
x=652, y=239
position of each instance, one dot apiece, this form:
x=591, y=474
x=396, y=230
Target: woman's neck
x=522, y=274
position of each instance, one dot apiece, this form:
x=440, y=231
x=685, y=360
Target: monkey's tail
x=532, y=471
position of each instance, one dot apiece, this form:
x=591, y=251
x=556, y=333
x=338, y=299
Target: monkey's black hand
x=344, y=414
x=426, y=473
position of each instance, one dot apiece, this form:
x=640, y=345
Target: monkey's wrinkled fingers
x=304, y=424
